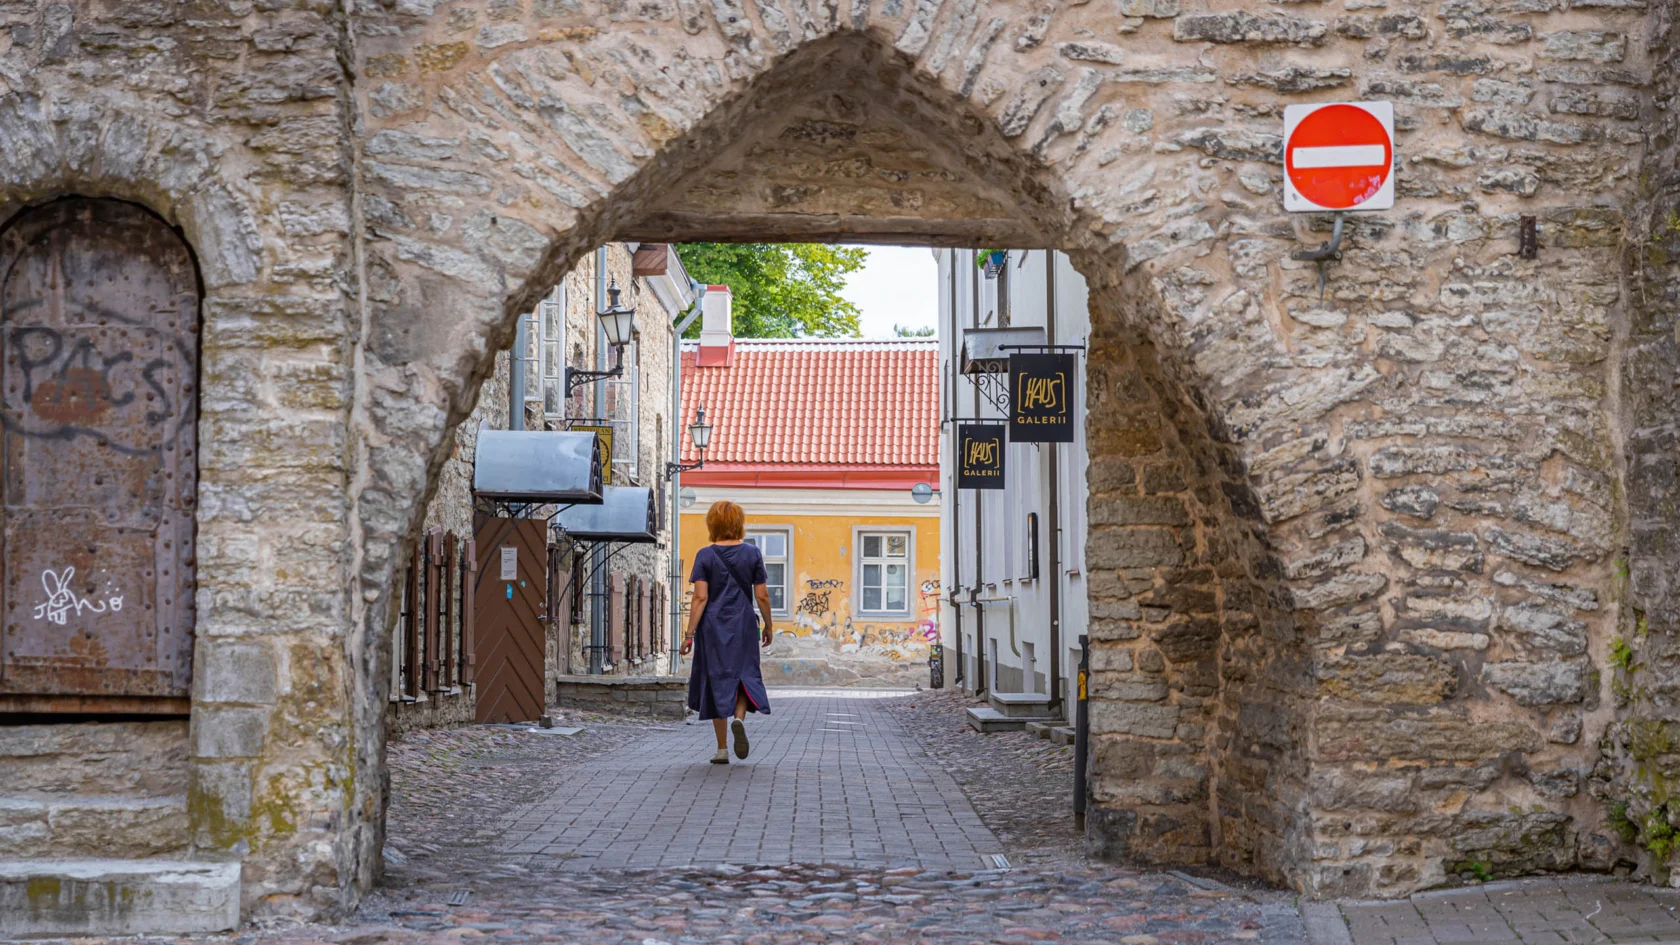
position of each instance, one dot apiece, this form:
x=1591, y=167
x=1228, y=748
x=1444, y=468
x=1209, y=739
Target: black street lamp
x=701, y=433
x=618, y=323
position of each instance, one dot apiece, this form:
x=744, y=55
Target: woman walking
x=724, y=679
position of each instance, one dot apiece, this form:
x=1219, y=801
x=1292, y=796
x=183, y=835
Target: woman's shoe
x=740, y=738
x=722, y=757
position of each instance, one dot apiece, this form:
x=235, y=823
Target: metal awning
x=537, y=466
x=985, y=350
x=627, y=514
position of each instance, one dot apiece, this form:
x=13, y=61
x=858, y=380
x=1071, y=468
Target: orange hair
x=725, y=521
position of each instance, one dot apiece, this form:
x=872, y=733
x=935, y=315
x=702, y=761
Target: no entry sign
x=1338, y=156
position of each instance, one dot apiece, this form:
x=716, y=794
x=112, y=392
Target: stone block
x=1243, y=27
x=1139, y=510
x=1434, y=549
x=222, y=792
x=1110, y=659
x=230, y=731
x=1185, y=640
x=1537, y=627
x=1120, y=718
x=1334, y=558
x=1397, y=678
x=99, y=897
x=1133, y=547
x=1345, y=588
x=1555, y=682
x=1358, y=734
x=1109, y=685
x=1343, y=789
x=228, y=671
x=104, y=758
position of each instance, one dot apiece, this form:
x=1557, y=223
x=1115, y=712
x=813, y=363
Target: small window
x=884, y=573
x=773, y=545
x=549, y=336
x=1032, y=547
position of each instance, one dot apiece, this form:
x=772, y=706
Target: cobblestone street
x=859, y=817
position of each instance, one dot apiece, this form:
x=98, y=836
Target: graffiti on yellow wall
x=820, y=573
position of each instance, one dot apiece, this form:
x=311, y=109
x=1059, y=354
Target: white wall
x=1015, y=609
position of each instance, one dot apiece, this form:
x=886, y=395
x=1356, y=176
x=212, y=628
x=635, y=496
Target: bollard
x=936, y=666
x=1081, y=732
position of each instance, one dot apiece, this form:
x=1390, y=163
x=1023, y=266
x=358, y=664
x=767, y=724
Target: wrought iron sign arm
x=576, y=378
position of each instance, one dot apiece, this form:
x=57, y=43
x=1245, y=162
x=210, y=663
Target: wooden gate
x=510, y=595
x=98, y=459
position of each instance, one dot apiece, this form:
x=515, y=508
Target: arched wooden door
x=99, y=324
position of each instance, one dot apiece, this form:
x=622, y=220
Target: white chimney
x=717, y=330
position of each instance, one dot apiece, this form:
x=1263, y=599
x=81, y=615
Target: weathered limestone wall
x=1638, y=773
x=230, y=119
x=1374, y=560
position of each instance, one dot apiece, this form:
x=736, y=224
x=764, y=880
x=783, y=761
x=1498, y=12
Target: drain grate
x=459, y=898
x=1000, y=861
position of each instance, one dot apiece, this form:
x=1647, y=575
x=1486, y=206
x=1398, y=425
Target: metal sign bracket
x=1325, y=254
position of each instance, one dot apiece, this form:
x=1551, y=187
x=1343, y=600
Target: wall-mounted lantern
x=700, y=432
x=618, y=323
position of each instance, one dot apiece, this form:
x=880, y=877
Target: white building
x=1012, y=559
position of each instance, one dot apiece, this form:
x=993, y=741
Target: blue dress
x=726, y=641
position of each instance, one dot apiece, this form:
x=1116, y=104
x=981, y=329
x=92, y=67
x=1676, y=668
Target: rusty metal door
x=99, y=305
x=510, y=592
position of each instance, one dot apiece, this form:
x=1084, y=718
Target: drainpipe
x=1055, y=518
x=680, y=325
x=516, y=374
x=598, y=602
x=983, y=682
x=951, y=486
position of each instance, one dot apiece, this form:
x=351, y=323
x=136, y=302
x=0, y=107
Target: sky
x=898, y=285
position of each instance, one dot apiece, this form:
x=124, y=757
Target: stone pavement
x=512, y=837
x=1569, y=910
x=831, y=779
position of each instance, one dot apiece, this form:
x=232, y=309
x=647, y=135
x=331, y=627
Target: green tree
x=782, y=290
x=905, y=331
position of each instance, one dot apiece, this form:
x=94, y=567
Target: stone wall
x=1637, y=774
x=1371, y=591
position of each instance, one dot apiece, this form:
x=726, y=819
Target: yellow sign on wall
x=603, y=445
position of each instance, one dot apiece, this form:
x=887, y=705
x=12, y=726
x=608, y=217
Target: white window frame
x=859, y=533
x=786, y=561
x=626, y=418
x=550, y=372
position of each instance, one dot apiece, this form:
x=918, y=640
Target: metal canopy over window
x=986, y=350
x=627, y=515
x=537, y=466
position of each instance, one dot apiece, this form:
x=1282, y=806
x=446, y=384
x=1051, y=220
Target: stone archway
x=1358, y=554
x=1319, y=624
x=841, y=137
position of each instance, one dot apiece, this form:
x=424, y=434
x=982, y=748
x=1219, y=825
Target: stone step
x=1062, y=734
x=987, y=719
x=1021, y=705
x=1041, y=729
x=117, y=897
x=102, y=759
x=93, y=826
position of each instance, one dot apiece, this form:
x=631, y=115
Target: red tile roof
x=795, y=404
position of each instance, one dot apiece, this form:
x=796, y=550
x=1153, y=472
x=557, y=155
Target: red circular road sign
x=1339, y=156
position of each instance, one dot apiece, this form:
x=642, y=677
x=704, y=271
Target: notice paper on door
x=510, y=563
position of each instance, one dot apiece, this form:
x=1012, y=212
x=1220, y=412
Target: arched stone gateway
x=1357, y=562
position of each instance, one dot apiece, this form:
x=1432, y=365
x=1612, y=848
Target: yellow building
x=820, y=442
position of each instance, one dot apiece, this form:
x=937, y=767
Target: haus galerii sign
x=1041, y=397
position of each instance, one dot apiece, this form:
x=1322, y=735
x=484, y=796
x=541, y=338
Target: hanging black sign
x=1041, y=397
x=980, y=455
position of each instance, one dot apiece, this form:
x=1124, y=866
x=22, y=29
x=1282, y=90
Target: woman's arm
x=696, y=605
x=762, y=592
